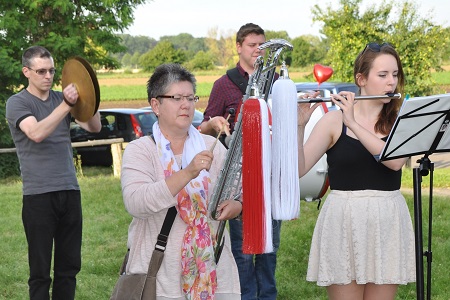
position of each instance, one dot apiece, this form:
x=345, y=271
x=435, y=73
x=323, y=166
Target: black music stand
x=420, y=128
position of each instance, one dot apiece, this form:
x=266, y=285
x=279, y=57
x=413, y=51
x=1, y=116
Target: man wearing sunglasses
x=39, y=121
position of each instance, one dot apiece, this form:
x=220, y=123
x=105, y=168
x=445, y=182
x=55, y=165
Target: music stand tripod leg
x=429, y=254
x=426, y=167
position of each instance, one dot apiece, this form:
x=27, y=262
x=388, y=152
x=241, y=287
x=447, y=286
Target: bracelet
x=68, y=103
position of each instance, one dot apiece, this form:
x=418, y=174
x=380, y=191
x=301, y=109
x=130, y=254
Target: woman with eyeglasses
x=363, y=242
x=177, y=166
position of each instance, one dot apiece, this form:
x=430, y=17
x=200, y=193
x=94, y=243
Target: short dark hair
x=246, y=30
x=165, y=75
x=33, y=52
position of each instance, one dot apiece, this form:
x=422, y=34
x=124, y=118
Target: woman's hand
x=305, y=110
x=201, y=161
x=346, y=101
x=229, y=209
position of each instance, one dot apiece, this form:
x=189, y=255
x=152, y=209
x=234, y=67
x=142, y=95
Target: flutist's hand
x=346, y=101
x=229, y=209
x=305, y=110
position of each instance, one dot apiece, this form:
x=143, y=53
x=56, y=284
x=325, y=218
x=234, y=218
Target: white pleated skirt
x=363, y=236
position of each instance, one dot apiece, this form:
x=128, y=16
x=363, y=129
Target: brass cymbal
x=78, y=71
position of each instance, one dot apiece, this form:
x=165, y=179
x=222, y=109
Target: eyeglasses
x=178, y=98
x=43, y=72
x=375, y=47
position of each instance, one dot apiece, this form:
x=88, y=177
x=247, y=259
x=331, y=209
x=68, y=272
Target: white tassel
x=285, y=179
x=266, y=161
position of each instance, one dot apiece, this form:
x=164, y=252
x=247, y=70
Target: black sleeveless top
x=351, y=167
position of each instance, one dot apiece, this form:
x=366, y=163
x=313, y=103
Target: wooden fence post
x=116, y=152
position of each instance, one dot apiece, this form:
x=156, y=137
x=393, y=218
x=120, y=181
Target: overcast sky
x=172, y=17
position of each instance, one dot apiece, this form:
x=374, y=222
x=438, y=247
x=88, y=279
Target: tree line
x=146, y=53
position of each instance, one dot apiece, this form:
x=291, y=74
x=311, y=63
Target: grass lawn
x=106, y=223
x=105, y=234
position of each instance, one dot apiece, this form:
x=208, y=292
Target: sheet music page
x=419, y=121
x=444, y=144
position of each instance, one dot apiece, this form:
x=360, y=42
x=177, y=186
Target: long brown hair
x=363, y=64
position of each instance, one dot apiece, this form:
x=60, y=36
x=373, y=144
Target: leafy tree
x=135, y=59
x=138, y=43
x=66, y=28
x=446, y=56
x=180, y=41
x=419, y=43
x=198, y=44
x=163, y=52
x=229, y=55
x=271, y=34
x=132, y=44
x=308, y=50
x=286, y=55
x=201, y=61
x=213, y=44
x=222, y=47
x=187, y=43
x=301, y=54
x=126, y=60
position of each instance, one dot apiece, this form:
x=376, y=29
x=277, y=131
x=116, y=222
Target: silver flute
x=380, y=97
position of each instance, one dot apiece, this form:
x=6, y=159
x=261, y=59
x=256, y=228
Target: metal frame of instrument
x=229, y=182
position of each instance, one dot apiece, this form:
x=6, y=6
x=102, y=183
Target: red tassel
x=253, y=220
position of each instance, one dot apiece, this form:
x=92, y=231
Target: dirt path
x=200, y=105
x=143, y=80
x=425, y=192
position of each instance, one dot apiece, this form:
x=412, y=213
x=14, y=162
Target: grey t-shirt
x=46, y=166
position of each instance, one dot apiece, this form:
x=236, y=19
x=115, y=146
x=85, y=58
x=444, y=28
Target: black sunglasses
x=375, y=47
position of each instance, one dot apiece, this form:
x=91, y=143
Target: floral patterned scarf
x=199, y=279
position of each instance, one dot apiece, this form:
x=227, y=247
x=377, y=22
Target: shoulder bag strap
x=165, y=229
x=238, y=79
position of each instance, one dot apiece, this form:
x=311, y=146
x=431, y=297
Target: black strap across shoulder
x=238, y=79
x=165, y=229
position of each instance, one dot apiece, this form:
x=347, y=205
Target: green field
x=105, y=234
x=106, y=224
x=139, y=92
